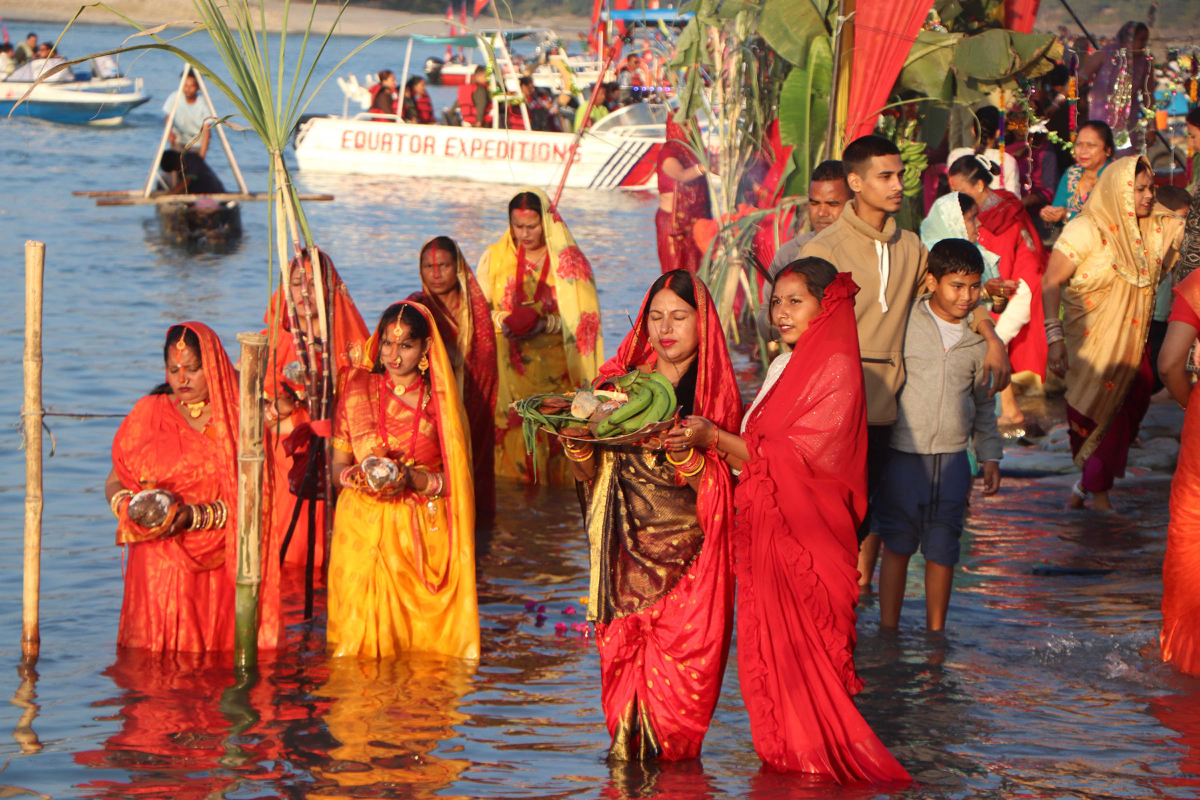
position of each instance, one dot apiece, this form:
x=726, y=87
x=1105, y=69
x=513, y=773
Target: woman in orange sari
x=1180, y=639
x=452, y=295
x=547, y=320
x=287, y=408
x=659, y=524
x=402, y=564
x=181, y=440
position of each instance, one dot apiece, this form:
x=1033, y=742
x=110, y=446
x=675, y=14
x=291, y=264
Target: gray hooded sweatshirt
x=945, y=396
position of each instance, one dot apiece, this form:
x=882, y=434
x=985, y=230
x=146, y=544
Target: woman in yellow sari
x=402, y=563
x=1105, y=270
x=547, y=319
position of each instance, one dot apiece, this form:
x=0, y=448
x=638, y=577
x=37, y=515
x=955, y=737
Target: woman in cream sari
x=1110, y=260
x=547, y=320
x=402, y=563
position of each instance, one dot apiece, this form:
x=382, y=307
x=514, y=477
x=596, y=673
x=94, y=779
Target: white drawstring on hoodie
x=885, y=269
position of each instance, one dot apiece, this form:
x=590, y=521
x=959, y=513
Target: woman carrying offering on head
x=682, y=199
x=547, y=320
x=402, y=565
x=1104, y=271
x=1094, y=148
x=173, y=489
x=1005, y=229
x=800, y=499
x=659, y=525
x=452, y=295
x=297, y=350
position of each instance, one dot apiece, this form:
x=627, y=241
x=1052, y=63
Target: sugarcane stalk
x=251, y=458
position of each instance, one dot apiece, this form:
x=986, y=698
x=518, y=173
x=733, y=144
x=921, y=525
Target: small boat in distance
x=101, y=96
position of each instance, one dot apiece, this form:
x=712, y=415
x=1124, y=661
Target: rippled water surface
x=1038, y=689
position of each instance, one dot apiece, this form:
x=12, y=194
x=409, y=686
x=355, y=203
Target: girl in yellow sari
x=402, y=563
x=547, y=319
x=1104, y=270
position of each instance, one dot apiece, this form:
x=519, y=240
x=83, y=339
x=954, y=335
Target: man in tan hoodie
x=888, y=264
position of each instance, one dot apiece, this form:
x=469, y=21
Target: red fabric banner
x=1020, y=14
x=883, y=35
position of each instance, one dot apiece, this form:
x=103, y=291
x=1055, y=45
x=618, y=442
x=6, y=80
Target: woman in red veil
x=800, y=499
x=182, y=439
x=659, y=523
x=682, y=199
x=284, y=387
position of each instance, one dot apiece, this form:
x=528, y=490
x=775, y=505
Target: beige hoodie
x=891, y=259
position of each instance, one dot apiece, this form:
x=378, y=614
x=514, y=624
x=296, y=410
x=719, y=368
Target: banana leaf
x=790, y=26
x=804, y=112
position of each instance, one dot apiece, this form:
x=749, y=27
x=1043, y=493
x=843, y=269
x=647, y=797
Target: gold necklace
x=195, y=409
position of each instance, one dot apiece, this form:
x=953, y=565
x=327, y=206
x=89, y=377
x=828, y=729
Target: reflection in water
x=388, y=717
x=25, y=698
x=173, y=741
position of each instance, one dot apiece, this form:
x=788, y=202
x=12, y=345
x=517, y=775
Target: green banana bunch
x=651, y=399
x=915, y=161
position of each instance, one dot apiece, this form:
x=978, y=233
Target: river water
x=1037, y=690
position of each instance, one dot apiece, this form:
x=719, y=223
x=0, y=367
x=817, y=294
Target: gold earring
x=423, y=364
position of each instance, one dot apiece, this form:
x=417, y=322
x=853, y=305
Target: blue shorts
x=921, y=503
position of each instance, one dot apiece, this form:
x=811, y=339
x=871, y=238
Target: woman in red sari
x=454, y=298
x=1180, y=639
x=682, y=199
x=659, y=524
x=181, y=439
x=287, y=408
x=1006, y=229
x=800, y=500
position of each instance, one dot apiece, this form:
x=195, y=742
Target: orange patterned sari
x=402, y=569
x=179, y=591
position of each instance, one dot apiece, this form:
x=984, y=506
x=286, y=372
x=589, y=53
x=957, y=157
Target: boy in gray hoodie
x=923, y=492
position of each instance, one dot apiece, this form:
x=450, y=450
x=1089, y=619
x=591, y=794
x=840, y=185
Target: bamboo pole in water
x=251, y=456
x=32, y=411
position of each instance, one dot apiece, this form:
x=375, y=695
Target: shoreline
x=360, y=21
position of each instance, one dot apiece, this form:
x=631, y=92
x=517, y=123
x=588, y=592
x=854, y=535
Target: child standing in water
x=924, y=488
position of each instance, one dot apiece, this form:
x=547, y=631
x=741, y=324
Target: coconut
x=149, y=508
x=584, y=404
x=380, y=472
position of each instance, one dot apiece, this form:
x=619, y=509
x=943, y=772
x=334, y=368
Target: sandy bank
x=356, y=21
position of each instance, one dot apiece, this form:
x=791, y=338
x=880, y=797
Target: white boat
x=99, y=97
x=618, y=152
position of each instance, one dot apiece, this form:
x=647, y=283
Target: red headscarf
x=717, y=397
x=1008, y=212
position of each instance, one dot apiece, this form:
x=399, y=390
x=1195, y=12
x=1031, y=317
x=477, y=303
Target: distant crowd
x=28, y=49
x=536, y=108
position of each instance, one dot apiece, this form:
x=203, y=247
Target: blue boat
x=99, y=97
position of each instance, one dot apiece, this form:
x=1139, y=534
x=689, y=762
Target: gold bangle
x=694, y=472
x=115, y=502
x=224, y=513
x=691, y=451
x=579, y=456
x=194, y=525
x=575, y=447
